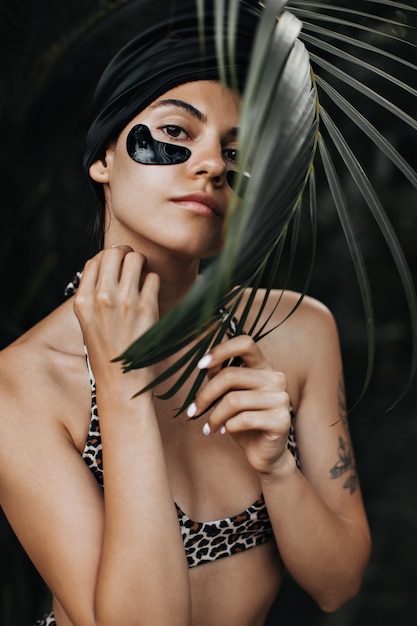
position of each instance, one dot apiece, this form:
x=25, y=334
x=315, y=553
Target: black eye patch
x=143, y=148
x=232, y=178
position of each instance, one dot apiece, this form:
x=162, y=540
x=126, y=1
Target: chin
x=199, y=250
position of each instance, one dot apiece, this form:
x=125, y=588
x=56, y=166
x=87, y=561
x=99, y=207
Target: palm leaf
x=284, y=119
x=321, y=46
x=388, y=232
x=343, y=212
x=272, y=273
x=264, y=121
x=365, y=125
x=290, y=110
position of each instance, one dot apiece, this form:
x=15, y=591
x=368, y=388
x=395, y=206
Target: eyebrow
x=186, y=106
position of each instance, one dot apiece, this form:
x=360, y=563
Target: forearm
x=143, y=576
x=324, y=552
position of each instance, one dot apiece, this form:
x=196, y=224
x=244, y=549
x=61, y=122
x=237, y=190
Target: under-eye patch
x=143, y=148
x=232, y=178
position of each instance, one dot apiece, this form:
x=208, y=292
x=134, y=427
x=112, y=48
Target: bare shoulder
x=296, y=322
x=43, y=378
x=298, y=309
x=299, y=337
x=49, y=496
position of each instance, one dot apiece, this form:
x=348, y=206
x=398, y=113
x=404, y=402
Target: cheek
x=133, y=182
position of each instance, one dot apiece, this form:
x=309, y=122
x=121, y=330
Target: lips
x=202, y=199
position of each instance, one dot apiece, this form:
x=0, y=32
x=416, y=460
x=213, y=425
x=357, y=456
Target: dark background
x=48, y=71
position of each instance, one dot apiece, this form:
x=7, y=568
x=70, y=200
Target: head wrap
x=172, y=52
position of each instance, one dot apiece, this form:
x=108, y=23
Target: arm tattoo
x=341, y=396
x=346, y=462
x=341, y=400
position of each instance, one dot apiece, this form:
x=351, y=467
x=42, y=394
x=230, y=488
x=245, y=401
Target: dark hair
x=172, y=52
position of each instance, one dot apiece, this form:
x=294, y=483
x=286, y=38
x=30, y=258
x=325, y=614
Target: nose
x=207, y=162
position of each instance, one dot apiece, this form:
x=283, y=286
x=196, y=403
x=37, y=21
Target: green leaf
x=281, y=87
x=303, y=52
x=379, y=140
x=386, y=229
x=359, y=264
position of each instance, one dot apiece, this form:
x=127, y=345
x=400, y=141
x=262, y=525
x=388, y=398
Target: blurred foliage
x=47, y=216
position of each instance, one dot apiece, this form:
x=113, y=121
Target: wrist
x=123, y=399
x=282, y=469
x=111, y=380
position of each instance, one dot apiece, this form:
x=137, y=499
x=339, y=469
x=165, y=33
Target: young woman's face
x=179, y=208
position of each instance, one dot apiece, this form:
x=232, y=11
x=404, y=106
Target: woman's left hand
x=251, y=402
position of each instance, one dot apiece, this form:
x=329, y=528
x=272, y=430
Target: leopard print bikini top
x=203, y=541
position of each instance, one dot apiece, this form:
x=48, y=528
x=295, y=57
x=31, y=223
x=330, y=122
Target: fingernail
x=206, y=429
x=222, y=430
x=204, y=361
x=192, y=410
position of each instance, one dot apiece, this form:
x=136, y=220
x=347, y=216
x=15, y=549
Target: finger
x=149, y=301
x=100, y=277
x=111, y=264
x=123, y=247
x=150, y=287
x=234, y=378
x=86, y=289
x=93, y=268
x=272, y=422
x=236, y=403
x=242, y=346
x=89, y=275
x=131, y=272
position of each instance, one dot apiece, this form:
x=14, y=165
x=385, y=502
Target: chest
x=209, y=475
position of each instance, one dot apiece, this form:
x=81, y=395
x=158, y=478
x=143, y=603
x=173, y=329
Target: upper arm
x=322, y=431
x=50, y=498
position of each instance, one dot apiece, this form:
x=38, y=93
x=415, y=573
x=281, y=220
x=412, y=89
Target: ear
x=99, y=170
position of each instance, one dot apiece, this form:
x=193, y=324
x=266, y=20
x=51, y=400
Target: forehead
x=203, y=99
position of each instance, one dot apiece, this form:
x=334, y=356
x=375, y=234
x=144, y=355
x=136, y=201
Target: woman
x=145, y=549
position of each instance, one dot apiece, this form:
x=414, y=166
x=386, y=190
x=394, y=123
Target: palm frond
x=356, y=39
x=365, y=125
x=309, y=58
x=388, y=233
x=330, y=57
x=261, y=331
x=355, y=251
x=278, y=112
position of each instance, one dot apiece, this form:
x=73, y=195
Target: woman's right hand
x=116, y=302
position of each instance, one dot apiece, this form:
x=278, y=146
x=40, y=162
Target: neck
x=176, y=281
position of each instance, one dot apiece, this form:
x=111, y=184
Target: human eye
x=174, y=131
x=231, y=154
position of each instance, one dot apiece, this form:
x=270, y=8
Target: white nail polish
x=192, y=410
x=222, y=430
x=204, y=362
x=206, y=429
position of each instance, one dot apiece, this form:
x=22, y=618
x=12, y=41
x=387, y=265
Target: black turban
x=170, y=53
